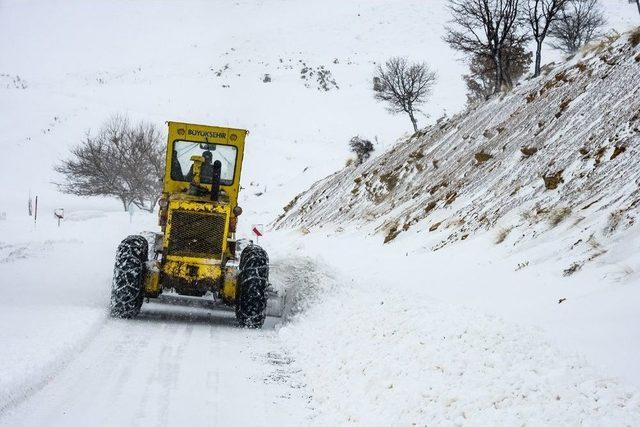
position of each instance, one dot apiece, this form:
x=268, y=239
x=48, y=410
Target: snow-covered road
x=175, y=365
x=182, y=362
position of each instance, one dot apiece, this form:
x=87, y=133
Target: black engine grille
x=196, y=234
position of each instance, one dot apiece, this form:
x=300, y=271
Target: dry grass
x=600, y=45
x=573, y=268
x=535, y=215
x=556, y=216
x=563, y=106
x=634, y=37
x=502, y=235
x=392, y=230
x=455, y=222
x=429, y=207
x=615, y=218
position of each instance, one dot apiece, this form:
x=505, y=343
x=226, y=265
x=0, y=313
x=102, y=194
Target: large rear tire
x=127, y=289
x=251, y=290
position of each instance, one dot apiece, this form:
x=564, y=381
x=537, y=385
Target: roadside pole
x=258, y=231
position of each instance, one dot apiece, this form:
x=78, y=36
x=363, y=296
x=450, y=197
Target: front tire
x=127, y=289
x=251, y=291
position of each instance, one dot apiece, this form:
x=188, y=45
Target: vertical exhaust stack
x=215, y=181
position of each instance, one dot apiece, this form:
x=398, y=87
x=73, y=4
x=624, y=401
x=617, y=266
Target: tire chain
x=253, y=281
x=127, y=286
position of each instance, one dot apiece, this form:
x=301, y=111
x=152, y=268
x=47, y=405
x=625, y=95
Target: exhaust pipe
x=215, y=181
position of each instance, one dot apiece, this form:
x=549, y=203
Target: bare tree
x=541, y=14
x=362, y=148
x=578, y=23
x=405, y=87
x=121, y=161
x=489, y=29
x=481, y=78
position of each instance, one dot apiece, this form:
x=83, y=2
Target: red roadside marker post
x=258, y=231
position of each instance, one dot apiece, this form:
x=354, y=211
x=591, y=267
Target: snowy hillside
x=525, y=207
x=560, y=147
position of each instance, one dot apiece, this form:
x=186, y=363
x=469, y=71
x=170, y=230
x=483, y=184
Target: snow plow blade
x=275, y=302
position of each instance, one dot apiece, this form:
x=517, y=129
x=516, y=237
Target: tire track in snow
x=46, y=375
x=172, y=366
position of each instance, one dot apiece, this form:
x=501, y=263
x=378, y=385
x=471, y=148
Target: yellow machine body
x=198, y=230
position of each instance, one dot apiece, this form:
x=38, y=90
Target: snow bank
x=375, y=349
x=303, y=282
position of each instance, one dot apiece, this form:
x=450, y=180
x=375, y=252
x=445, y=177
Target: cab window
x=182, y=166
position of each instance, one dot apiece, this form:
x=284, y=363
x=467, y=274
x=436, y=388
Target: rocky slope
x=563, y=147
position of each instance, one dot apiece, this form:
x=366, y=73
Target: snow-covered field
x=374, y=335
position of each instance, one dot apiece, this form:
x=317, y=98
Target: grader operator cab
x=196, y=251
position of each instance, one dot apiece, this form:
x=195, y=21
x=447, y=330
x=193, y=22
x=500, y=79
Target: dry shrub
x=482, y=157
x=551, y=182
x=619, y=149
x=563, y=106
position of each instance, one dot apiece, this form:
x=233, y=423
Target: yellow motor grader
x=196, y=251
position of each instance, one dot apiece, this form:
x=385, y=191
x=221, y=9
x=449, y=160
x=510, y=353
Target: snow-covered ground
x=459, y=336
x=374, y=335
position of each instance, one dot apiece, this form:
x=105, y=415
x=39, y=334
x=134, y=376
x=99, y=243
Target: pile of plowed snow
x=428, y=363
